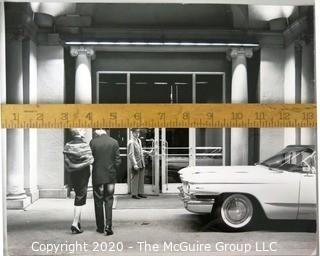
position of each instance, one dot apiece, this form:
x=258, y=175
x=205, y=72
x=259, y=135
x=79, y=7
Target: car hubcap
x=237, y=211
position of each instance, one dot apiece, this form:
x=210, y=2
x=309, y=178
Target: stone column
x=51, y=90
x=291, y=136
x=3, y=139
x=16, y=196
x=30, y=135
x=308, y=135
x=271, y=80
x=83, y=83
x=239, y=94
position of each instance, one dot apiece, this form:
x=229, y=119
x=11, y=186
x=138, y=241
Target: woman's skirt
x=80, y=179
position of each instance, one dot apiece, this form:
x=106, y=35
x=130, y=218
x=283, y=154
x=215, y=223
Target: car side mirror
x=306, y=169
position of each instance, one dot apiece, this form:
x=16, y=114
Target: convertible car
x=281, y=187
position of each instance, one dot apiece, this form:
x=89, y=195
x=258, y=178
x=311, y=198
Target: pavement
x=158, y=225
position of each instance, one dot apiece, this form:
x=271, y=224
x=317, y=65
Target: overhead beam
x=173, y=49
x=271, y=39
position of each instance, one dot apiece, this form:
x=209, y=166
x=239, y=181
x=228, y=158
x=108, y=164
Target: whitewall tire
x=235, y=212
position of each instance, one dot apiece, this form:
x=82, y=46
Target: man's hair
x=135, y=129
x=100, y=132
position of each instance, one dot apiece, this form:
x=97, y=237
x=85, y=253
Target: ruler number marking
x=137, y=116
x=162, y=115
x=210, y=115
x=89, y=116
x=236, y=116
x=260, y=116
x=40, y=116
x=64, y=116
x=113, y=116
x=307, y=116
x=15, y=116
x=284, y=116
x=186, y=115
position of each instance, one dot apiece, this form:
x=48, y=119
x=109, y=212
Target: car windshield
x=292, y=159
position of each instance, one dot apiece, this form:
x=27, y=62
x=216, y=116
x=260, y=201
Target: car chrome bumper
x=195, y=205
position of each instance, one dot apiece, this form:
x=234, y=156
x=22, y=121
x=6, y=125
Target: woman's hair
x=77, y=132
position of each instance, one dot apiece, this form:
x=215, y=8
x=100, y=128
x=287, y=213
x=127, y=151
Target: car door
x=307, y=202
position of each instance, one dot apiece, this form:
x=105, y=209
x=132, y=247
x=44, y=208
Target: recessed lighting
x=164, y=44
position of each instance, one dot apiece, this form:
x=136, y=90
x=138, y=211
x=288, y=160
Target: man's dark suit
x=105, y=151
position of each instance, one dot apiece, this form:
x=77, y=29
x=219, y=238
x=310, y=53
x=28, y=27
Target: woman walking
x=78, y=157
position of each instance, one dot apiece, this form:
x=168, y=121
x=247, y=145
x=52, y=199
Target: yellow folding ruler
x=158, y=115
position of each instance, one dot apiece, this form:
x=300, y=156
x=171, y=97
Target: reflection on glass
x=147, y=140
x=161, y=88
x=177, y=152
x=121, y=136
x=113, y=89
x=209, y=147
x=209, y=142
x=164, y=88
x=291, y=159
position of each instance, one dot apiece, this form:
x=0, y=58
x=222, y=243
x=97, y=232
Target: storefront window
x=113, y=89
x=173, y=148
x=209, y=141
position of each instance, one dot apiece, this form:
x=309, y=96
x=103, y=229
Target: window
x=292, y=160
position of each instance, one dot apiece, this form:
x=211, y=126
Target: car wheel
x=235, y=212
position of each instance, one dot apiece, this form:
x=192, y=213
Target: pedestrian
x=78, y=157
x=137, y=164
x=107, y=159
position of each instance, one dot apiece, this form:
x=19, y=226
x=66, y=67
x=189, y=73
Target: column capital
x=77, y=50
x=241, y=51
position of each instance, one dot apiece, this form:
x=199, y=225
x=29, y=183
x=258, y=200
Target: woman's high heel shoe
x=76, y=230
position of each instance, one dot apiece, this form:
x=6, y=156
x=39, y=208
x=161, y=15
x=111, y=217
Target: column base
x=33, y=193
x=53, y=193
x=18, y=202
x=239, y=146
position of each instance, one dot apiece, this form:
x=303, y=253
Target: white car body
x=282, y=194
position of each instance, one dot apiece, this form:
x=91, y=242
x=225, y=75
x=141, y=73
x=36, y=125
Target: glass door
x=170, y=145
x=173, y=148
x=150, y=143
x=175, y=156
x=209, y=143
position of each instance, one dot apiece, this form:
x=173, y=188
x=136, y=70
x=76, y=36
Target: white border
x=317, y=75
x=250, y=2
x=3, y=235
x=3, y=148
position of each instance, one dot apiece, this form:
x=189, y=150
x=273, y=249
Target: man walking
x=136, y=165
x=106, y=154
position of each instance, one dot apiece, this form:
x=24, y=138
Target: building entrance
x=172, y=148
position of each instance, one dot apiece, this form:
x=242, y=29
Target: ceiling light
x=164, y=44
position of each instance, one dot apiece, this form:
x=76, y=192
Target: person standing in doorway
x=136, y=164
x=106, y=154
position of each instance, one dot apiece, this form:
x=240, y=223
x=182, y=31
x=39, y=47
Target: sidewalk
x=154, y=220
x=164, y=201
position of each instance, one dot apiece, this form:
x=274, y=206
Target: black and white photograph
x=119, y=189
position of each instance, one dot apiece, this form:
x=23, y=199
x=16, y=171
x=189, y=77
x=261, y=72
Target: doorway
x=173, y=148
